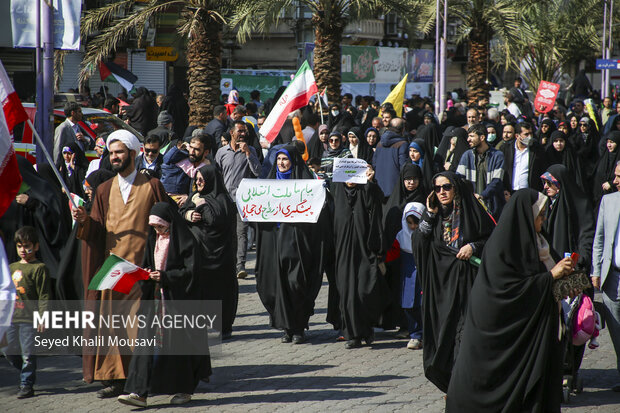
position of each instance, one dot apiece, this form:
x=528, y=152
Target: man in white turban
x=118, y=224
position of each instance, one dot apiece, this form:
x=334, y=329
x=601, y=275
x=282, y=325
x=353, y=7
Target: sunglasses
x=151, y=151
x=334, y=140
x=445, y=187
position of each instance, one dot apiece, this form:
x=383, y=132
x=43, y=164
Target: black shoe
x=111, y=391
x=616, y=388
x=286, y=338
x=370, y=339
x=25, y=392
x=299, y=338
x=356, y=343
x=226, y=335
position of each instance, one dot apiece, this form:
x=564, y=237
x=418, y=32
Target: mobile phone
x=434, y=201
x=574, y=257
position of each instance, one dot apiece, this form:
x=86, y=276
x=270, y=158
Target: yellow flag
x=397, y=96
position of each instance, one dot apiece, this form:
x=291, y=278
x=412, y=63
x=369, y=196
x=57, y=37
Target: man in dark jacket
x=524, y=161
x=218, y=126
x=163, y=131
x=364, y=116
x=390, y=156
x=149, y=162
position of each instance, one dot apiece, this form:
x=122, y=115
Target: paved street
x=254, y=372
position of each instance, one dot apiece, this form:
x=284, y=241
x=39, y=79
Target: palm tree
x=201, y=22
x=480, y=20
x=329, y=19
x=554, y=35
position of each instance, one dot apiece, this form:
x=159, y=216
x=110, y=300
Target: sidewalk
x=256, y=373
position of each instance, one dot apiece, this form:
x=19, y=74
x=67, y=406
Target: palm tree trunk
x=204, y=57
x=477, y=66
x=327, y=56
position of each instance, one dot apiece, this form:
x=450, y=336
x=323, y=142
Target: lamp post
x=437, y=61
x=443, y=60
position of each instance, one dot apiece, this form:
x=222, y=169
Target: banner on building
x=422, y=65
x=66, y=23
x=285, y=200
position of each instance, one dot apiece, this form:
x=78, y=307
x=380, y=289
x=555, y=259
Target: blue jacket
x=390, y=156
x=493, y=194
x=173, y=178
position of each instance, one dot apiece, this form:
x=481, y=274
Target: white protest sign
x=350, y=170
x=280, y=200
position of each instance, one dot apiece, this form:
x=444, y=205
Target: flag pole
x=320, y=102
x=52, y=164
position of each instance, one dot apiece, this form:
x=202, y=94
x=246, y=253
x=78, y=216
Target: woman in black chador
x=172, y=256
x=290, y=259
x=510, y=358
x=211, y=215
x=453, y=229
x=358, y=235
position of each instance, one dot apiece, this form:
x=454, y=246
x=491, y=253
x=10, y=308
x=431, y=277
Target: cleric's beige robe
x=122, y=229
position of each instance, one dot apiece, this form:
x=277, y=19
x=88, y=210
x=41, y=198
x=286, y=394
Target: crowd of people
x=467, y=220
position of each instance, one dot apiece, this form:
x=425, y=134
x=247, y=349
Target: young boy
x=32, y=283
x=411, y=298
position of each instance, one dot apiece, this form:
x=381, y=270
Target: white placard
x=280, y=200
x=350, y=170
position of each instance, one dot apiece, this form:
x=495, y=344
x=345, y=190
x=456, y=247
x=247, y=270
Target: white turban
x=129, y=139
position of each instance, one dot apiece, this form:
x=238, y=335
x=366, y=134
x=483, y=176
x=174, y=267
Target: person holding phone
x=510, y=357
x=454, y=227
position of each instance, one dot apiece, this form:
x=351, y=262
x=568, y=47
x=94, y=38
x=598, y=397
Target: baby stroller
x=581, y=323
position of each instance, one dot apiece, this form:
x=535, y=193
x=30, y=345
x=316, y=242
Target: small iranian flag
x=296, y=96
x=117, y=274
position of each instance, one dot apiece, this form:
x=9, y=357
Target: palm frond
x=106, y=43
x=96, y=19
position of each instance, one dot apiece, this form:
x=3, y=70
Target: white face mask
x=527, y=141
x=335, y=113
x=491, y=137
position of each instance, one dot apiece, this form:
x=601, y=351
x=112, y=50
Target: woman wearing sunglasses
x=453, y=229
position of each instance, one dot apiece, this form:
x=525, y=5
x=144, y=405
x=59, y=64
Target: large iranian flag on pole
x=117, y=274
x=12, y=114
x=296, y=96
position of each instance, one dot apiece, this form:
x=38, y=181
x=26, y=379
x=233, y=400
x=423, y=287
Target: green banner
x=358, y=63
x=266, y=85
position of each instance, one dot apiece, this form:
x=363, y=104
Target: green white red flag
x=117, y=274
x=296, y=96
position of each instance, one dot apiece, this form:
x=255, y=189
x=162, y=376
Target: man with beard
x=118, y=224
x=180, y=164
x=236, y=161
x=483, y=167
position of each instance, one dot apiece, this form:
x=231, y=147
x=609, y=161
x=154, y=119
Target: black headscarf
x=316, y=147
x=47, y=210
x=364, y=151
x=605, y=168
x=299, y=168
x=446, y=280
x=181, y=279
x=98, y=177
x=424, y=138
x=430, y=134
x=393, y=208
x=570, y=223
x=547, y=135
x=567, y=157
x=333, y=153
x=521, y=368
x=461, y=146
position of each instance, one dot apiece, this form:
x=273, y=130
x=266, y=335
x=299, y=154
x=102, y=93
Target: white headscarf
x=404, y=235
x=129, y=139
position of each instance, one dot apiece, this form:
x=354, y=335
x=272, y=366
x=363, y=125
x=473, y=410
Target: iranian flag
x=12, y=113
x=111, y=72
x=296, y=96
x=117, y=274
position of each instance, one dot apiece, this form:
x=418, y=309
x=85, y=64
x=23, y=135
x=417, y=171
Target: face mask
x=527, y=141
x=335, y=113
x=491, y=137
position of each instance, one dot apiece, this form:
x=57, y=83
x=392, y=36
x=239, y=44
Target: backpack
x=584, y=322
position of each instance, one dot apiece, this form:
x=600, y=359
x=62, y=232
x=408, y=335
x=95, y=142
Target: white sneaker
x=181, y=398
x=593, y=344
x=132, y=399
x=414, y=344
